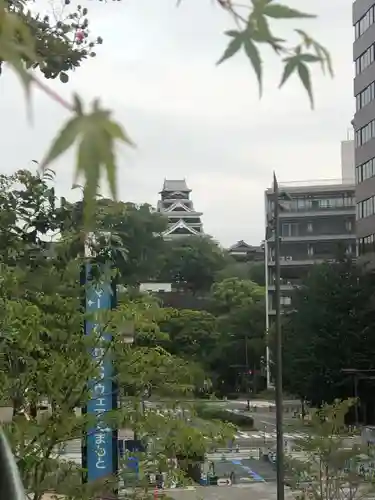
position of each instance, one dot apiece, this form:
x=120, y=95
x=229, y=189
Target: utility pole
x=279, y=370
x=247, y=375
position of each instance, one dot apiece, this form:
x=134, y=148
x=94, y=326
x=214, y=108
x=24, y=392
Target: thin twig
x=51, y=93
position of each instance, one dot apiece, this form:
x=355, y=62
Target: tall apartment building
x=317, y=225
x=364, y=124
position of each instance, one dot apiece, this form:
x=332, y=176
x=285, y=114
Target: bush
x=211, y=413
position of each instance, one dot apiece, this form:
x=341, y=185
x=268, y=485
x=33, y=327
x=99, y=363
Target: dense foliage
x=330, y=330
x=192, y=263
x=47, y=361
x=323, y=466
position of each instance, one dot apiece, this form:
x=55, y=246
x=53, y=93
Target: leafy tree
x=330, y=330
x=135, y=229
x=253, y=271
x=62, y=40
x=192, y=262
x=47, y=360
x=40, y=348
x=234, y=293
x=328, y=468
x=28, y=214
x=241, y=322
x=191, y=334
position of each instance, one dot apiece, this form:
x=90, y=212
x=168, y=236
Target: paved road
x=255, y=491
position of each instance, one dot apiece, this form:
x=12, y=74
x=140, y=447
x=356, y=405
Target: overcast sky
x=192, y=119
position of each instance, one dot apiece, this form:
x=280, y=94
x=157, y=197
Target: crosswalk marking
x=268, y=435
x=232, y=456
x=74, y=446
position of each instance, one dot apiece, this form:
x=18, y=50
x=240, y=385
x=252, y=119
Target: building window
x=366, y=208
x=364, y=23
x=365, y=97
x=310, y=250
x=285, y=301
x=309, y=227
x=366, y=244
x=291, y=229
x=349, y=226
x=365, y=134
x=364, y=60
x=365, y=171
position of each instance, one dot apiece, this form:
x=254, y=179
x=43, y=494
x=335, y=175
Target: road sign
x=101, y=450
x=224, y=481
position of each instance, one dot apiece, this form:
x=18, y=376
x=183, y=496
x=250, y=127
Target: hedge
x=211, y=413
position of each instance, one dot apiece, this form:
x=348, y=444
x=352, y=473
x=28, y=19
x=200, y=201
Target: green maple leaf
x=96, y=135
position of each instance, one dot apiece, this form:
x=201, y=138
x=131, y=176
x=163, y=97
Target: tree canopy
x=47, y=360
x=240, y=309
x=192, y=263
x=63, y=39
x=331, y=329
x=253, y=271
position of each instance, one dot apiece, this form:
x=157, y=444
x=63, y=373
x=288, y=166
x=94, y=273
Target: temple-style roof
x=180, y=227
x=175, y=185
x=241, y=245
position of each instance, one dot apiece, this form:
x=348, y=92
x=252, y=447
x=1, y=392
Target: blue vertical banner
x=100, y=453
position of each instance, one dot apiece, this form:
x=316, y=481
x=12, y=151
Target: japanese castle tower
x=175, y=204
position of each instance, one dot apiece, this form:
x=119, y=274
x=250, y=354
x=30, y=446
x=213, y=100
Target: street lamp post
x=279, y=370
x=247, y=375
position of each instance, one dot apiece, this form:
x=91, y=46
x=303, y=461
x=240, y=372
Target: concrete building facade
x=317, y=225
x=364, y=125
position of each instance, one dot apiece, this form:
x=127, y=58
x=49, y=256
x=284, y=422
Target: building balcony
x=286, y=284
x=302, y=260
x=315, y=237
x=284, y=310
x=317, y=212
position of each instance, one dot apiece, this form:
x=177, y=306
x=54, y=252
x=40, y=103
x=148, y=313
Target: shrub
x=211, y=413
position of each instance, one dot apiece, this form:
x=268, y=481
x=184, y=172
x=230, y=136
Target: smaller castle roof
x=241, y=244
x=173, y=185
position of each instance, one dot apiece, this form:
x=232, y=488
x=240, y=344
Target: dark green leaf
x=290, y=66
x=309, y=58
x=304, y=74
x=78, y=108
x=232, y=33
x=324, y=56
x=263, y=29
x=232, y=48
x=307, y=40
x=252, y=53
x=64, y=78
x=278, y=11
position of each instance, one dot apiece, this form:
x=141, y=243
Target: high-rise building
x=364, y=125
x=175, y=203
x=317, y=224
